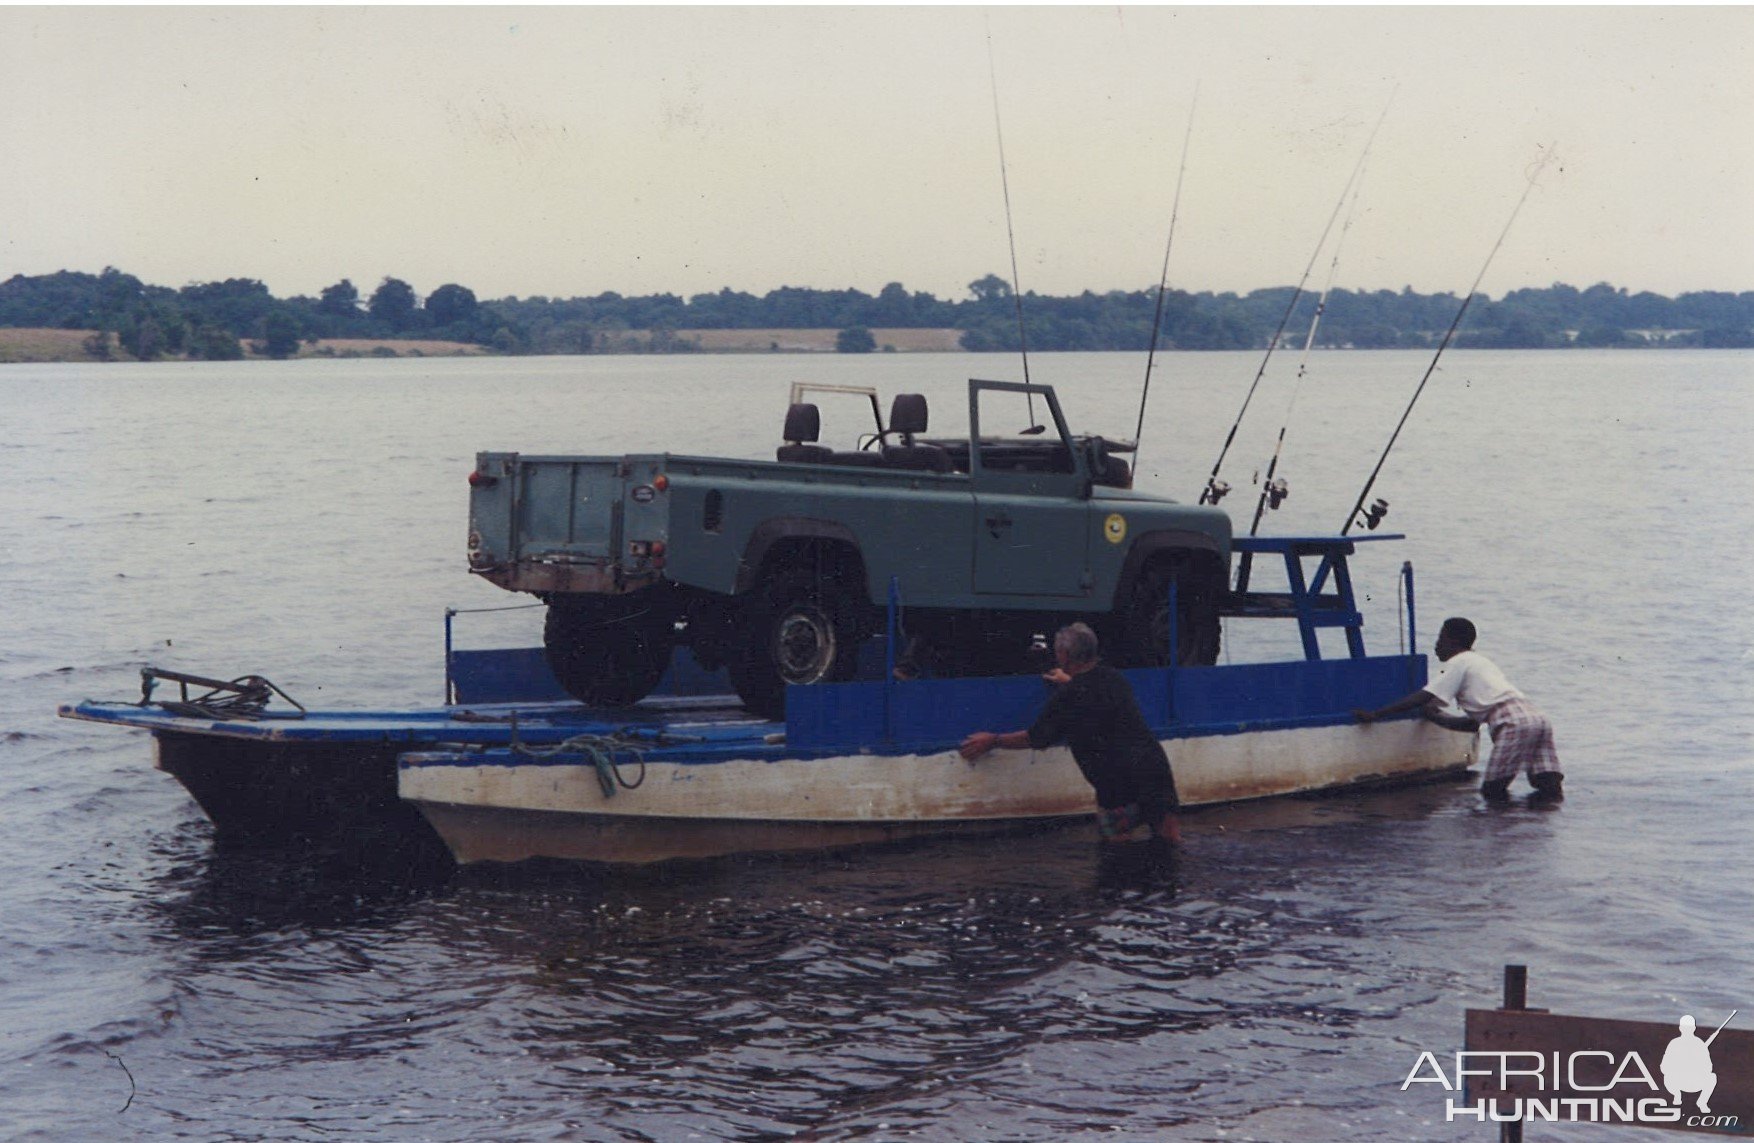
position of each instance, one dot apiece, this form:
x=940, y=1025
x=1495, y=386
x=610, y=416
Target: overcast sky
x=569, y=151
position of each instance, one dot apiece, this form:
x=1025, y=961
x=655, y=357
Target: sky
x=567, y=151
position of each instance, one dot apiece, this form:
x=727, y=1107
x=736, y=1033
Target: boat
x=511, y=769
x=876, y=760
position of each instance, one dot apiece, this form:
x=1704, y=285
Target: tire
x=800, y=629
x=1141, y=624
x=607, y=651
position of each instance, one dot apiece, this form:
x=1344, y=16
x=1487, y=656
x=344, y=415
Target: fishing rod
x=1274, y=490
x=1163, y=279
x=1011, y=235
x=1373, y=516
x=1722, y=1026
x=1215, y=488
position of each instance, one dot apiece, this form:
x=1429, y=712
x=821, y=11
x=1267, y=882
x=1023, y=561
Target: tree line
x=214, y=319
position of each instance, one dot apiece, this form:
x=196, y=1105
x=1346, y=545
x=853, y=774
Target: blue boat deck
x=542, y=723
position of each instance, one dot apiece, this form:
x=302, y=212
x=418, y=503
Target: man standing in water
x=1522, y=738
x=1093, y=711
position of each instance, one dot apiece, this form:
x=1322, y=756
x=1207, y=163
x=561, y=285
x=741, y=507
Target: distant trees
x=894, y=307
x=339, y=300
x=239, y=305
x=142, y=336
x=855, y=339
x=210, y=319
x=450, y=303
x=214, y=343
x=393, y=304
x=280, y=336
x=151, y=329
x=991, y=288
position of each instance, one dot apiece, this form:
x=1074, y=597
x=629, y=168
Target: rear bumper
x=544, y=578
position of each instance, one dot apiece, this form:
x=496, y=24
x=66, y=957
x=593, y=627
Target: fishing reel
x=1216, y=490
x=1372, y=516
x=1277, y=492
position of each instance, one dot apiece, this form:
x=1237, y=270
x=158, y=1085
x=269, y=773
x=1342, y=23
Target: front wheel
x=1141, y=623
x=607, y=651
x=800, y=629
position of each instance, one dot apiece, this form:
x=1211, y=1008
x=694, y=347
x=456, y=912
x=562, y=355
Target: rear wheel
x=607, y=651
x=801, y=628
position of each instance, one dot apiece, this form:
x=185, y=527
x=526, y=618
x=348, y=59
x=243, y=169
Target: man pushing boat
x=1093, y=711
x=1522, y=738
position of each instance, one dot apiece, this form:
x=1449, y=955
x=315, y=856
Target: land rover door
x=1031, y=494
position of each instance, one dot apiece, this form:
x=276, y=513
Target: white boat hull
x=528, y=808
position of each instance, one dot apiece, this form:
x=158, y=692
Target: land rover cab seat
x=803, y=429
x=907, y=416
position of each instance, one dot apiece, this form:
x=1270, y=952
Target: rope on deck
x=601, y=749
x=242, y=698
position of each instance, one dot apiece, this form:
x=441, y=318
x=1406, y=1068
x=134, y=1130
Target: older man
x=1093, y=712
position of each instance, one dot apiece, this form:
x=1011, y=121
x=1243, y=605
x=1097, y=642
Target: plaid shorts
x=1522, y=740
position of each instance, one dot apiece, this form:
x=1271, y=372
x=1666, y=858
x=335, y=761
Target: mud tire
x=607, y=652
x=1141, y=625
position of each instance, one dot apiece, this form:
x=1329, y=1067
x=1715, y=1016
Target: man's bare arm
x=1413, y=701
x=981, y=741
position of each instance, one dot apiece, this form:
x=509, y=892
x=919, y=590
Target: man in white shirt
x=1522, y=738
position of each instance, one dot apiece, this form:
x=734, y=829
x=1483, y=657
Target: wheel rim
x=804, y=645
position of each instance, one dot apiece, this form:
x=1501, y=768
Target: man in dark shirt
x=1095, y=714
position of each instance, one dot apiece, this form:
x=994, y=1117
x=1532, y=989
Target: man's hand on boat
x=1429, y=706
x=982, y=741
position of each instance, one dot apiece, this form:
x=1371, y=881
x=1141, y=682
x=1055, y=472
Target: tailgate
x=535, y=508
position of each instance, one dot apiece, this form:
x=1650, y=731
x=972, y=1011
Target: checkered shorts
x=1522, y=740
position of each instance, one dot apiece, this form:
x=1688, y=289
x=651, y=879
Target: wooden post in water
x=1516, y=998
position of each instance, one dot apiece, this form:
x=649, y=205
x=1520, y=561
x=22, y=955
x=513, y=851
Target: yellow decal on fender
x=1114, y=529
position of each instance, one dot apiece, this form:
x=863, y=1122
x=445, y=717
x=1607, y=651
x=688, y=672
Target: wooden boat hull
x=315, y=790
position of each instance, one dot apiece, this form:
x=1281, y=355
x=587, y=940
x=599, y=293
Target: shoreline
x=35, y=346
x=38, y=346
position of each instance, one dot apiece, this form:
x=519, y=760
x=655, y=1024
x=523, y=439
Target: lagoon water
x=1593, y=512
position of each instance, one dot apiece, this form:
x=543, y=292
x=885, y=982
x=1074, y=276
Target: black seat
x=907, y=416
x=1115, y=473
x=803, y=427
x=1111, y=470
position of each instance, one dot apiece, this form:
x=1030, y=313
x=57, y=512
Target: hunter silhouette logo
x=1687, y=1063
x=1531, y=1065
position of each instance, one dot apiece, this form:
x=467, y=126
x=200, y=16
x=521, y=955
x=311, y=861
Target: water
x=305, y=520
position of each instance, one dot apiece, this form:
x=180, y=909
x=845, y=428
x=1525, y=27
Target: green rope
x=601, y=750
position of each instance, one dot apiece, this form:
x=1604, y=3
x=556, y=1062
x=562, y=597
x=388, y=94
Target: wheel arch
x=1197, y=548
x=801, y=541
